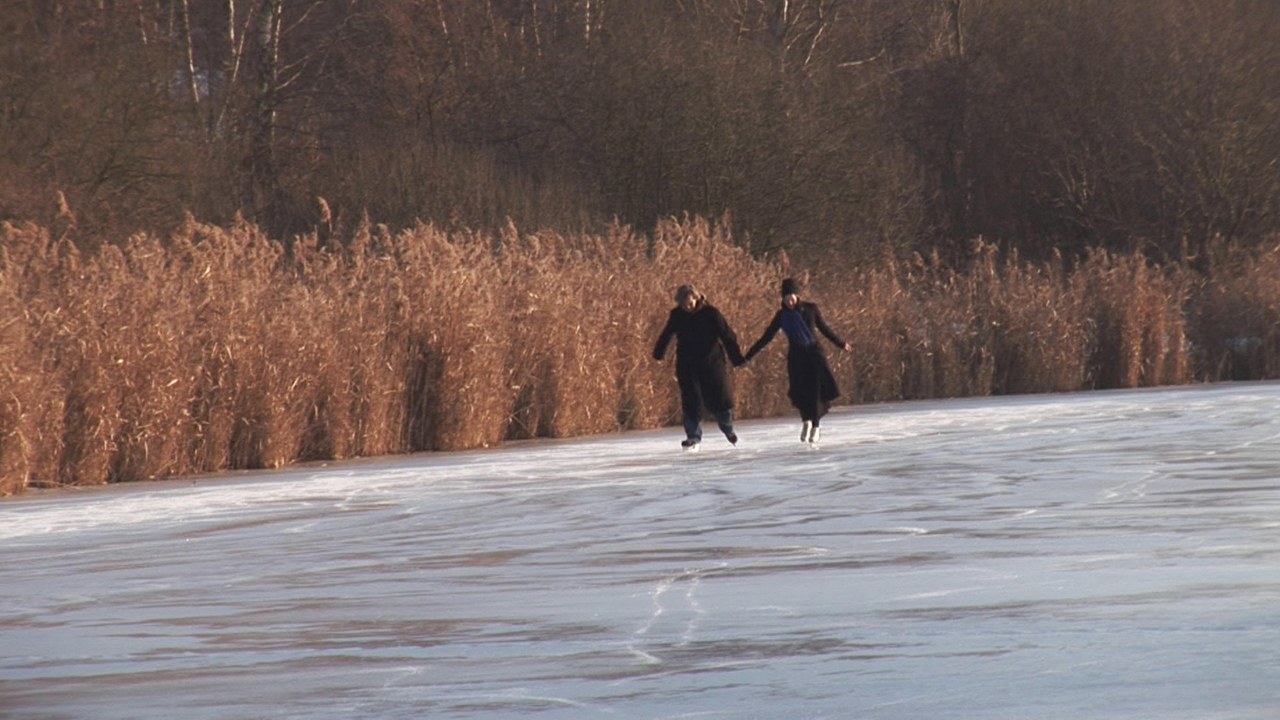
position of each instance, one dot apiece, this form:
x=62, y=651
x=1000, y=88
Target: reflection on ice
x=1100, y=555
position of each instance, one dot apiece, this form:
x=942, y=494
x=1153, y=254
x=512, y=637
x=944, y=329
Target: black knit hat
x=790, y=287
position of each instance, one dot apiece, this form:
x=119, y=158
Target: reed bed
x=219, y=348
x=1233, y=313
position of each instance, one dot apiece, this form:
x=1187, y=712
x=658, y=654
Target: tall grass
x=1234, y=313
x=218, y=348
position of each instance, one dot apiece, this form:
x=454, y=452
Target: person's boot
x=806, y=430
x=725, y=420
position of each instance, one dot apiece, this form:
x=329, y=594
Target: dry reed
x=219, y=348
x=1234, y=315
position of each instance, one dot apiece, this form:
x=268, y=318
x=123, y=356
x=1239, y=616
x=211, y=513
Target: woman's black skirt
x=812, y=387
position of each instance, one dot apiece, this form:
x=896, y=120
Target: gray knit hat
x=685, y=291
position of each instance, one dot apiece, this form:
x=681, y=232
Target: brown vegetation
x=825, y=127
x=1123, y=160
x=215, y=348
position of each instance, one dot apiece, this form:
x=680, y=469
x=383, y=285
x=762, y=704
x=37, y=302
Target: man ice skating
x=811, y=386
x=703, y=338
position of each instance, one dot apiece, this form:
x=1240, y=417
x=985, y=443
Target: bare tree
x=264, y=181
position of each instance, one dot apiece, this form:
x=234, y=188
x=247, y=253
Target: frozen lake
x=1096, y=555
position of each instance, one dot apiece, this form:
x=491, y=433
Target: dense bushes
x=822, y=127
x=217, y=348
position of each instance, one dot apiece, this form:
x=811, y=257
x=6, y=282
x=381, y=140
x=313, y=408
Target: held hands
x=848, y=347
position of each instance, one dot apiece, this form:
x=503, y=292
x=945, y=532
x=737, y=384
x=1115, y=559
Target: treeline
x=826, y=127
x=218, y=348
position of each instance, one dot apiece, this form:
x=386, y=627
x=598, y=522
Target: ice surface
x=1095, y=555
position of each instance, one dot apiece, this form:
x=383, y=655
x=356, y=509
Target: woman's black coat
x=702, y=340
x=811, y=385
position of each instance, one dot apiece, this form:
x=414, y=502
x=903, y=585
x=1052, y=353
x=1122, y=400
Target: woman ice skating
x=702, y=340
x=812, y=387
